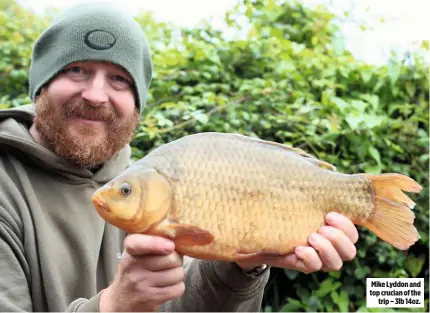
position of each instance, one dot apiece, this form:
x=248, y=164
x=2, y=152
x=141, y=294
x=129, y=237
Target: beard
x=86, y=146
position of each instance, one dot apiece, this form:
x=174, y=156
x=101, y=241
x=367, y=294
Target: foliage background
x=292, y=81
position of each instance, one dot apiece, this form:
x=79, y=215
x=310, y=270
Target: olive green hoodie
x=57, y=254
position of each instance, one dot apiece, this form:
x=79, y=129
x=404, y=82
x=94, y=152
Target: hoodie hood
x=15, y=136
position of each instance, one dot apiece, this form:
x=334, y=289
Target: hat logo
x=99, y=39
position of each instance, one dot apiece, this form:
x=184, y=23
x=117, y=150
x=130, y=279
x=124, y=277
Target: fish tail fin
x=392, y=219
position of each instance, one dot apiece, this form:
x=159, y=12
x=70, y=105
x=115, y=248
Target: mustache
x=81, y=109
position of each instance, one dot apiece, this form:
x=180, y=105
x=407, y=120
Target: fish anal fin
x=256, y=256
x=392, y=219
x=189, y=235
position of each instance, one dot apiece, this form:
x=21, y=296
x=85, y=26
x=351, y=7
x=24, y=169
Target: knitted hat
x=92, y=31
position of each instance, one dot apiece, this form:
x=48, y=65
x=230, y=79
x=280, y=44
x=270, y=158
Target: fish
x=233, y=197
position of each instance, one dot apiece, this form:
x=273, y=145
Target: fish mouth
x=101, y=205
x=103, y=208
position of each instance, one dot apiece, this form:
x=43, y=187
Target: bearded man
x=89, y=79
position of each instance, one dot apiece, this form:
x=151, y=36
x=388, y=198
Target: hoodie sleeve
x=218, y=286
x=14, y=285
x=15, y=293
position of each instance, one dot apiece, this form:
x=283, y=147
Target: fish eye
x=125, y=189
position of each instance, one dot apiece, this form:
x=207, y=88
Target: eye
x=119, y=78
x=121, y=81
x=125, y=189
x=75, y=69
x=76, y=72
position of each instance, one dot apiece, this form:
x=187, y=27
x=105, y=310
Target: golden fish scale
x=252, y=195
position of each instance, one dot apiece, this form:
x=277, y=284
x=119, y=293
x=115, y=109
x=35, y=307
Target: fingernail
x=332, y=216
x=313, y=237
x=169, y=246
x=299, y=250
x=324, y=229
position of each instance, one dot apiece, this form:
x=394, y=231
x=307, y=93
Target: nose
x=95, y=91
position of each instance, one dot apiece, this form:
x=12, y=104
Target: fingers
x=327, y=253
x=340, y=241
x=343, y=224
x=168, y=277
x=309, y=258
x=150, y=273
x=161, y=262
x=138, y=244
x=164, y=294
x=328, y=248
x=305, y=259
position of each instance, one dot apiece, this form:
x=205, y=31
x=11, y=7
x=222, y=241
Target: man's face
x=87, y=113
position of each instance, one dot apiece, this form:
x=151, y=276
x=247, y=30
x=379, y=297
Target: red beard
x=82, y=149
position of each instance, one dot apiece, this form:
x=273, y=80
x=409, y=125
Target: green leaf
x=366, y=76
x=353, y=121
x=201, y=117
x=377, y=169
x=292, y=305
x=394, y=68
x=410, y=88
x=361, y=272
x=372, y=121
x=327, y=286
x=414, y=264
x=343, y=301
x=340, y=103
x=335, y=274
x=372, y=99
x=375, y=154
x=314, y=304
x=359, y=105
x=339, y=45
x=302, y=292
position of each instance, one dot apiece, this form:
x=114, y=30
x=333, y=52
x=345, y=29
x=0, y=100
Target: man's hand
x=150, y=274
x=329, y=248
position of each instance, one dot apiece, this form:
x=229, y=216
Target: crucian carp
x=232, y=197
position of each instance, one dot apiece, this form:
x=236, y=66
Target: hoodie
x=58, y=254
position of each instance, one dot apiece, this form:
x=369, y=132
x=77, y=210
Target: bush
x=290, y=80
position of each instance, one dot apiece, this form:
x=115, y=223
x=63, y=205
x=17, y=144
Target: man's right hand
x=150, y=274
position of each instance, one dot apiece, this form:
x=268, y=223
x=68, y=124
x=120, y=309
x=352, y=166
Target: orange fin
x=189, y=235
x=393, y=220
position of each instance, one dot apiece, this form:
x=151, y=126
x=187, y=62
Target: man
x=89, y=79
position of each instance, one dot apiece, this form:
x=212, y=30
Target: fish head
x=134, y=201
x=118, y=202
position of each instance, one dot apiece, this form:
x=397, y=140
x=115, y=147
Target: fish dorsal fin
x=307, y=156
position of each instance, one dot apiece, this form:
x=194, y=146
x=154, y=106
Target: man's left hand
x=328, y=249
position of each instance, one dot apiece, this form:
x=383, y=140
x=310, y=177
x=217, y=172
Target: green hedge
x=290, y=80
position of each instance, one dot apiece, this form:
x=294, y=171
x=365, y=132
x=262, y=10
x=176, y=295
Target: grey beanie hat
x=92, y=31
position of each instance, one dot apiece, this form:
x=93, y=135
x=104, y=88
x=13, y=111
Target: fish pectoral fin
x=189, y=235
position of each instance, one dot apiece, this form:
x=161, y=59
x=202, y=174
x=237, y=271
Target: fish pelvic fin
x=392, y=219
x=189, y=235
